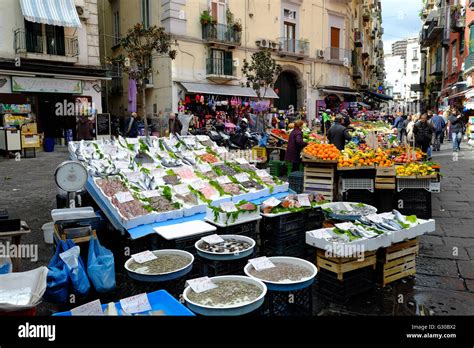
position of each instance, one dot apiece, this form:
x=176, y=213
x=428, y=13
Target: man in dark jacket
x=423, y=131
x=347, y=118
x=457, y=128
x=295, y=145
x=131, y=130
x=338, y=134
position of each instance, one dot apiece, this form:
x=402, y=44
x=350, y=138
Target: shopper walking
x=84, y=128
x=295, y=145
x=398, y=125
x=326, y=122
x=457, y=127
x=423, y=131
x=132, y=126
x=410, y=127
x=439, y=126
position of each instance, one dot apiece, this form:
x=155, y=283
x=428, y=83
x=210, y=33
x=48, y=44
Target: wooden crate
x=397, y=261
x=320, y=179
x=342, y=265
x=385, y=178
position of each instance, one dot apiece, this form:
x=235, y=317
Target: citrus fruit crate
x=397, y=261
x=428, y=183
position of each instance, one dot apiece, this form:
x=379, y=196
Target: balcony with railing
x=37, y=46
x=458, y=19
x=221, y=68
x=338, y=56
x=221, y=34
x=293, y=48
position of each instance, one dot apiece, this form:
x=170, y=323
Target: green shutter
x=471, y=39
x=228, y=63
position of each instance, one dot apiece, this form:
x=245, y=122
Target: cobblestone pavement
x=443, y=285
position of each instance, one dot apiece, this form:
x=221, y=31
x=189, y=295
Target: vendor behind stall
x=338, y=134
x=295, y=145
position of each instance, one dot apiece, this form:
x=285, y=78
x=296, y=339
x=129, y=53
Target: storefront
x=337, y=99
x=53, y=102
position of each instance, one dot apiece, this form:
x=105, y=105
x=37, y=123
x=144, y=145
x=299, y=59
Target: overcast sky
x=400, y=20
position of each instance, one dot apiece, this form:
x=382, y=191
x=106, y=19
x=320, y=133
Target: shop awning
x=347, y=91
x=378, y=95
x=229, y=90
x=461, y=94
x=53, y=12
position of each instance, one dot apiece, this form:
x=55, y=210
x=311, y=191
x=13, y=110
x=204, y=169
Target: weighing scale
x=71, y=176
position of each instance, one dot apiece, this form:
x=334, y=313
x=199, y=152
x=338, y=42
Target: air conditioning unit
x=320, y=54
x=82, y=12
x=236, y=62
x=264, y=43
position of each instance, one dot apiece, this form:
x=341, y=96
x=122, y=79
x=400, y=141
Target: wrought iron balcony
x=292, y=47
x=219, y=67
x=221, y=34
x=34, y=43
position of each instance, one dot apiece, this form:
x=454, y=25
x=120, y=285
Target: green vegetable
x=162, y=147
x=218, y=187
x=143, y=147
x=170, y=172
x=167, y=193
x=199, y=194
x=145, y=170
x=412, y=218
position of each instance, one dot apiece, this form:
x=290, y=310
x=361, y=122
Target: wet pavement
x=443, y=285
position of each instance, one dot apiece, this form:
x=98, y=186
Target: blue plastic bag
x=100, y=266
x=57, y=288
x=79, y=280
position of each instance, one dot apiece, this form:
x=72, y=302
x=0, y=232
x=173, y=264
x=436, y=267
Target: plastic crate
x=289, y=303
x=354, y=283
x=298, y=249
x=313, y=219
x=430, y=185
x=384, y=200
x=287, y=238
x=248, y=229
x=213, y=268
x=259, y=152
x=359, y=196
x=296, y=181
x=357, y=184
x=277, y=168
x=283, y=223
x=414, y=202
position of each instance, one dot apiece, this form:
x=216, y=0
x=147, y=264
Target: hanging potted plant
x=206, y=18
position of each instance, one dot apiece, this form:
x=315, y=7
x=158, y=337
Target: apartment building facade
x=50, y=55
x=328, y=50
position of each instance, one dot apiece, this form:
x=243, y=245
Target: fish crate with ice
x=280, y=225
x=359, y=196
x=414, y=202
x=296, y=181
x=313, y=218
x=289, y=303
x=340, y=291
x=397, y=261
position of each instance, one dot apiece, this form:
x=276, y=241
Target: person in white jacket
x=411, y=124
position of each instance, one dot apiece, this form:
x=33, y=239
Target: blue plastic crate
x=159, y=300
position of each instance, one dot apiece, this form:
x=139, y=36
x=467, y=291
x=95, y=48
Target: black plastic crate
x=359, y=196
x=289, y=303
x=313, y=219
x=288, y=238
x=296, y=180
x=354, y=283
x=297, y=249
x=414, y=202
x=214, y=268
x=283, y=223
x=248, y=229
x=384, y=200
x=358, y=173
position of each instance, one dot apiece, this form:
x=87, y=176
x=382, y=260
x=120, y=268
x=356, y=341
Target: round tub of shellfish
x=169, y=264
x=232, y=296
x=289, y=273
x=232, y=248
